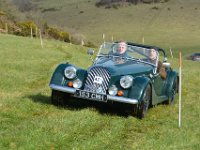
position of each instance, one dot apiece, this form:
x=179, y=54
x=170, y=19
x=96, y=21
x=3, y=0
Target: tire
x=143, y=106
x=58, y=98
x=172, y=93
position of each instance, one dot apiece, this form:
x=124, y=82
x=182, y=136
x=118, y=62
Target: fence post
x=142, y=40
x=36, y=32
x=41, y=42
x=82, y=42
x=103, y=36
x=31, y=32
x=6, y=28
x=171, y=52
x=112, y=38
x=180, y=84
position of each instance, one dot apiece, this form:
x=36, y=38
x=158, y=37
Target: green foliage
x=49, y=9
x=2, y=13
x=25, y=28
x=57, y=34
x=117, y=3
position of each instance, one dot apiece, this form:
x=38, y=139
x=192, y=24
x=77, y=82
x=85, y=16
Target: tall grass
x=29, y=121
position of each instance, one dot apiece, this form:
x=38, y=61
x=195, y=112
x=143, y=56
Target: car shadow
x=74, y=104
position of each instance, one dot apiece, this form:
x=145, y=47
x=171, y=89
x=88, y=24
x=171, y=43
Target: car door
x=160, y=77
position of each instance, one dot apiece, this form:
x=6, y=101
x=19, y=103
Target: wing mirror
x=166, y=64
x=91, y=53
x=165, y=59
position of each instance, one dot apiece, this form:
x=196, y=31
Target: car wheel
x=143, y=106
x=58, y=98
x=171, y=100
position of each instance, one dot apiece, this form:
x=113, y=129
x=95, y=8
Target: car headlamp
x=70, y=72
x=126, y=81
x=113, y=90
x=77, y=84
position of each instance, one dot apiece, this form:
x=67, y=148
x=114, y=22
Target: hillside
x=29, y=121
x=160, y=27
x=173, y=24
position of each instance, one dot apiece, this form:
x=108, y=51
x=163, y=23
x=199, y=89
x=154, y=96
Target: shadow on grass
x=39, y=98
x=74, y=104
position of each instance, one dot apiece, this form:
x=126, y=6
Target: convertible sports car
x=132, y=78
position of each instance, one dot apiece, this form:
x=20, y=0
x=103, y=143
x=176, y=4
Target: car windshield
x=131, y=52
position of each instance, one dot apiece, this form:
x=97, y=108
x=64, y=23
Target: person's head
x=153, y=54
x=122, y=46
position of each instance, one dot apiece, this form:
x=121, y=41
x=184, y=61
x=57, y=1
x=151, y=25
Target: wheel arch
x=173, y=77
x=138, y=88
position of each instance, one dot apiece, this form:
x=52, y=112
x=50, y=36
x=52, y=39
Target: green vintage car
x=132, y=78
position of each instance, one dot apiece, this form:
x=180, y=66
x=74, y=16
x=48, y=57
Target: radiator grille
x=93, y=86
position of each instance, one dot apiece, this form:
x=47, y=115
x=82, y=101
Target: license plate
x=91, y=96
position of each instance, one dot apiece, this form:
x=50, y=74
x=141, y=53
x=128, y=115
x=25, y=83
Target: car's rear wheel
x=59, y=98
x=143, y=106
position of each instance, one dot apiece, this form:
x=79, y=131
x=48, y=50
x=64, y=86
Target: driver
x=122, y=47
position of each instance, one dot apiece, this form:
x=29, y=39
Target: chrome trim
x=122, y=99
x=110, y=97
x=62, y=89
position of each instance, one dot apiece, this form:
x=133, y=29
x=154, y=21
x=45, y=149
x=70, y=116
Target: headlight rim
x=115, y=92
x=130, y=82
x=72, y=69
x=81, y=83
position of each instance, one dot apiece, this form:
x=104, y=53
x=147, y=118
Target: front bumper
x=109, y=97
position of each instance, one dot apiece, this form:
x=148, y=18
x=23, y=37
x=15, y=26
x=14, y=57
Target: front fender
x=138, y=88
x=58, y=75
x=59, y=79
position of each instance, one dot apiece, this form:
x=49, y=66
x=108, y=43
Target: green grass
x=29, y=121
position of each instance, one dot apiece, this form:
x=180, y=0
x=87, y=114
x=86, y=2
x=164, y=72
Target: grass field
x=29, y=121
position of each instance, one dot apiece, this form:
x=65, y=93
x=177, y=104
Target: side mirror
x=165, y=59
x=90, y=52
x=167, y=65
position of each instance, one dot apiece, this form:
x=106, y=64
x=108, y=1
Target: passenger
x=160, y=68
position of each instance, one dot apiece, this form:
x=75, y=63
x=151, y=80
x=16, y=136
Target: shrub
x=57, y=34
x=155, y=8
x=25, y=28
x=2, y=13
x=108, y=3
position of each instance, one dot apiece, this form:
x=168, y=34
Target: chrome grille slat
x=95, y=87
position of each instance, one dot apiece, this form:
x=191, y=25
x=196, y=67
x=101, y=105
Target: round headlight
x=77, y=84
x=126, y=81
x=112, y=90
x=70, y=72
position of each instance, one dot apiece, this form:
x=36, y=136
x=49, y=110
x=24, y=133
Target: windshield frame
x=100, y=54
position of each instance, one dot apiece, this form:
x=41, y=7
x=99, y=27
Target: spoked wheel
x=143, y=106
x=58, y=98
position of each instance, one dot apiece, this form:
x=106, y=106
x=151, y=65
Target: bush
x=108, y=3
x=2, y=13
x=57, y=34
x=25, y=28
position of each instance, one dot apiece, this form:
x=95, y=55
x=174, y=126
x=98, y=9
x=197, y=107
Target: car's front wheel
x=172, y=93
x=58, y=98
x=143, y=106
